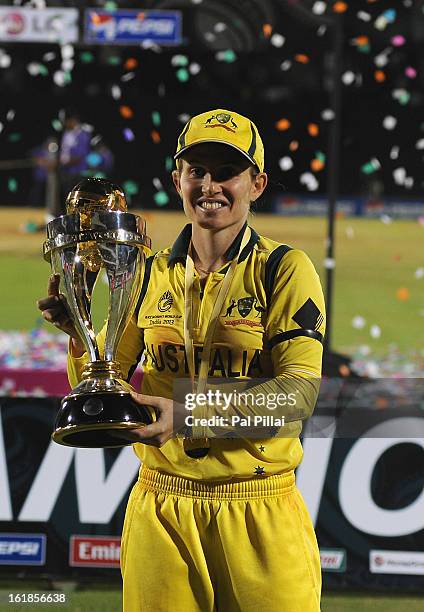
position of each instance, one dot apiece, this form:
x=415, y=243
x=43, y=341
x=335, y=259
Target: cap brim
x=207, y=140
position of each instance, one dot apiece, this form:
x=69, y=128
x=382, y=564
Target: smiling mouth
x=211, y=205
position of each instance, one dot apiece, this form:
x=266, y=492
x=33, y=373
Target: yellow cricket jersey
x=271, y=324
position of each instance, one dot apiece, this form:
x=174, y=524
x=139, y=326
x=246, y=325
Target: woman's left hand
x=169, y=420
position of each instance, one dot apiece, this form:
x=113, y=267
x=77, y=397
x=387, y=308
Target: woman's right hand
x=53, y=309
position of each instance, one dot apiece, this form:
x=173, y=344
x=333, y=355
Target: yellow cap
x=225, y=127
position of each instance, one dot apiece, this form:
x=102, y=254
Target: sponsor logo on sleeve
x=333, y=559
x=96, y=551
x=22, y=549
x=396, y=562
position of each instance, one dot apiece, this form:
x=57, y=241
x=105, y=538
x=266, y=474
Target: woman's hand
x=53, y=308
x=170, y=420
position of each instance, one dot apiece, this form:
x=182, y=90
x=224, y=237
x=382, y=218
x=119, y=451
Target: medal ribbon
x=188, y=317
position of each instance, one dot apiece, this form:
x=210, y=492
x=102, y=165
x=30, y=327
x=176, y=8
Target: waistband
x=271, y=486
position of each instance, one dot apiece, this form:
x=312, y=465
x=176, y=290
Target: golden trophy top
x=96, y=194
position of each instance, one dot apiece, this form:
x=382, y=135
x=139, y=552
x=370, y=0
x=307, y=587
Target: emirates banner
x=62, y=509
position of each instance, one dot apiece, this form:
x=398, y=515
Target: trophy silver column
x=96, y=234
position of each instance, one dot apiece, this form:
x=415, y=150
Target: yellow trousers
x=191, y=546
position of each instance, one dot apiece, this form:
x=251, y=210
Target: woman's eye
x=196, y=172
x=226, y=173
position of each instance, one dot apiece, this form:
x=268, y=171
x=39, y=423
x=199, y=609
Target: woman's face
x=217, y=185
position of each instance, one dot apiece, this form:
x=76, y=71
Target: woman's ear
x=259, y=183
x=176, y=181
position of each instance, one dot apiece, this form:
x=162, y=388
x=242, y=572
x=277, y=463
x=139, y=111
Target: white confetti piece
x=194, y=68
x=328, y=114
x=329, y=263
x=363, y=16
x=358, y=322
x=220, y=27
x=375, y=331
x=419, y=273
x=309, y=180
x=285, y=163
x=399, y=175
x=116, y=92
x=10, y=114
x=389, y=122
x=386, y=219
x=286, y=65
x=277, y=40
x=184, y=117
x=394, y=152
x=157, y=184
x=420, y=144
x=67, y=51
x=319, y=8
x=348, y=77
x=350, y=232
x=128, y=76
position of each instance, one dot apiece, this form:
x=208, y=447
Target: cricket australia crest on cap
x=223, y=127
x=222, y=119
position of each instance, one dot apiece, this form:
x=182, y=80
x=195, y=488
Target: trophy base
x=94, y=420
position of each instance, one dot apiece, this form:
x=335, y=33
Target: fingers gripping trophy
x=97, y=234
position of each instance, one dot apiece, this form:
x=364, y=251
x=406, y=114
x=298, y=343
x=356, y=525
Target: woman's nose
x=209, y=186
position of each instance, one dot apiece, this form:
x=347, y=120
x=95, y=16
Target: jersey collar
x=180, y=247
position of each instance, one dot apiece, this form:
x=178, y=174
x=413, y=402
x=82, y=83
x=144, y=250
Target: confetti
x=410, y=72
x=285, y=163
x=348, y=77
x=419, y=273
x=327, y=114
x=130, y=63
x=12, y=184
x=389, y=122
x=155, y=136
x=130, y=188
x=267, y=29
x=372, y=166
x=379, y=76
x=126, y=112
x=277, y=40
x=397, y=41
x=340, y=7
x=375, y=331
x=156, y=120
x=294, y=145
x=226, y=56
x=402, y=294
x=194, y=68
x=282, y=125
x=161, y=198
x=301, y=58
x=179, y=60
x=309, y=180
x=116, y=92
x=86, y=57
x=220, y=27
x=128, y=134
x=313, y=129
x=183, y=75
x=319, y=8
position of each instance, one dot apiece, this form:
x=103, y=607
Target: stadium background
x=274, y=61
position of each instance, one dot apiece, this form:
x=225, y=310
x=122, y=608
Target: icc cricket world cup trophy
x=98, y=234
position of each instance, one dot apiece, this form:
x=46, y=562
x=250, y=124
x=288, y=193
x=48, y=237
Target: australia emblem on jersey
x=244, y=305
x=165, y=302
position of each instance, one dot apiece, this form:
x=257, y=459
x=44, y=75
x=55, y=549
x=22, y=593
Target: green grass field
x=95, y=599
x=375, y=275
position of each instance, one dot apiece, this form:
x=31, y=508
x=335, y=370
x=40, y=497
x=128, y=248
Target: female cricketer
x=216, y=523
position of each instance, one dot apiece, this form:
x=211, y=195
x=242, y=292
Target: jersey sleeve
x=296, y=317
x=129, y=351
